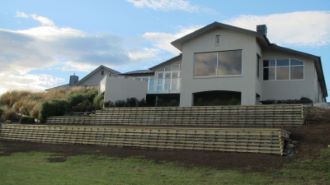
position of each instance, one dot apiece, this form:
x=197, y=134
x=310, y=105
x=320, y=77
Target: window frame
x=216, y=70
x=289, y=66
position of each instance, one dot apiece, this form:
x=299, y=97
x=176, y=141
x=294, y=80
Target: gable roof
x=97, y=70
x=173, y=59
x=215, y=25
x=262, y=40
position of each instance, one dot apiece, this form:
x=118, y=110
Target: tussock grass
x=30, y=103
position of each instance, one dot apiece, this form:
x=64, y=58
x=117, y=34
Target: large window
x=218, y=63
x=283, y=69
x=167, y=79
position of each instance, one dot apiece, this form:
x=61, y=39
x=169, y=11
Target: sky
x=43, y=42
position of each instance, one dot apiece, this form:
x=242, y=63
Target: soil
x=310, y=138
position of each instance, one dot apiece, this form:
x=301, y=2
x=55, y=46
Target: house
x=223, y=64
x=90, y=80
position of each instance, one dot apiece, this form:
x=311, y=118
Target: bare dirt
x=310, y=140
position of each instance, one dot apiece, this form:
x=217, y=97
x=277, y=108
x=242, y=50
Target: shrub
x=1, y=113
x=26, y=120
x=98, y=101
x=84, y=106
x=131, y=102
x=10, y=115
x=82, y=101
x=302, y=100
x=53, y=108
x=120, y=103
x=142, y=103
x=75, y=99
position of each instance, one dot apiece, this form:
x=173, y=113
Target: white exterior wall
x=119, y=88
x=95, y=79
x=229, y=40
x=291, y=89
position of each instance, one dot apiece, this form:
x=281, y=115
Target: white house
x=224, y=64
x=92, y=79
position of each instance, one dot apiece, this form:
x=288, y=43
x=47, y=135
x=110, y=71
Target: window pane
x=205, y=64
x=283, y=62
x=268, y=63
x=167, y=68
x=175, y=67
x=175, y=75
x=297, y=72
x=282, y=73
x=167, y=81
x=160, y=77
x=269, y=73
x=295, y=62
x=230, y=63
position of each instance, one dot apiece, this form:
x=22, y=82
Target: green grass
x=33, y=168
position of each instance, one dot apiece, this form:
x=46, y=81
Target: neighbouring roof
x=59, y=87
x=171, y=60
x=86, y=77
x=138, y=72
x=95, y=71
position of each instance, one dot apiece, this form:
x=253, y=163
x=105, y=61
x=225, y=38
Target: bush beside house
x=23, y=106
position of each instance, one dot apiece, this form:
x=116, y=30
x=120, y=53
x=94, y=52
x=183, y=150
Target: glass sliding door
x=167, y=84
x=160, y=81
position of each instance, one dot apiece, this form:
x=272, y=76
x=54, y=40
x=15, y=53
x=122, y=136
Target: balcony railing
x=163, y=86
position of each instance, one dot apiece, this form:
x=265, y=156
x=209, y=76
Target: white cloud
x=166, y=5
x=146, y=53
x=306, y=28
x=47, y=46
x=29, y=82
x=72, y=66
x=162, y=40
x=44, y=21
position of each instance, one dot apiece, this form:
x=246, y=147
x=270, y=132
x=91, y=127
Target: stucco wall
x=95, y=79
x=119, y=88
x=291, y=89
x=246, y=83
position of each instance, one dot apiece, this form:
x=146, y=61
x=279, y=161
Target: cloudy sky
x=43, y=42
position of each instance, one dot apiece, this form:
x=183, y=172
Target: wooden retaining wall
x=258, y=116
x=269, y=141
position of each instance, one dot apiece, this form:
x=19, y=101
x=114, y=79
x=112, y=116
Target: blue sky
x=46, y=41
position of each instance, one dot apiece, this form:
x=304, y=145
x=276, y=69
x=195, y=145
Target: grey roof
x=146, y=71
x=95, y=71
x=174, y=59
x=215, y=25
x=59, y=87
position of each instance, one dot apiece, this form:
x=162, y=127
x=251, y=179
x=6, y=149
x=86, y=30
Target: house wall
x=161, y=68
x=95, y=79
x=119, y=88
x=292, y=89
x=229, y=40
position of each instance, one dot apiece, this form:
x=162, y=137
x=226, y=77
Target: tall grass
x=30, y=103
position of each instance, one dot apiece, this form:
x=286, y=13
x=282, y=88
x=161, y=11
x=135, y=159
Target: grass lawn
x=34, y=168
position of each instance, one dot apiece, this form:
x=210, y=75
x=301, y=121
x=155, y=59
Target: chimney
x=262, y=29
x=73, y=80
